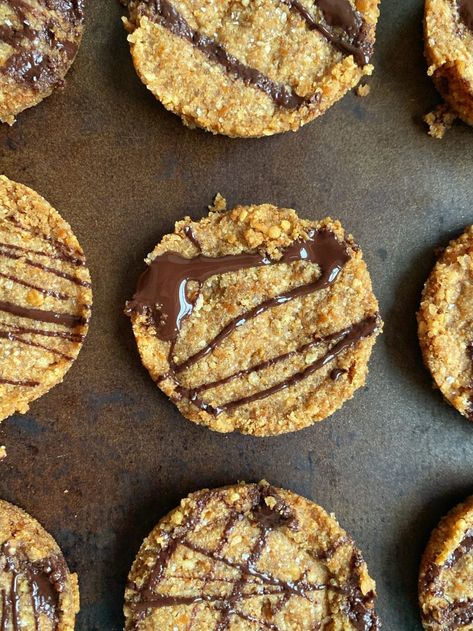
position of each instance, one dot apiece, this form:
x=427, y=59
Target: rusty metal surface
x=104, y=455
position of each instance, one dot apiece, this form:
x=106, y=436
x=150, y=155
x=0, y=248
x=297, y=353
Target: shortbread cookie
x=249, y=556
x=251, y=68
x=256, y=320
x=37, y=591
x=39, y=40
x=449, y=52
x=45, y=297
x=445, y=322
x=446, y=574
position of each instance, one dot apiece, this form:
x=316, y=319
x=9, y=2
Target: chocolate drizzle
x=337, y=373
x=268, y=513
x=465, y=10
x=42, y=315
x=458, y=612
x=341, y=16
x=162, y=297
x=27, y=64
x=348, y=338
x=342, y=25
x=45, y=580
x=5, y=251
x=11, y=329
x=165, y=14
x=13, y=382
x=162, y=289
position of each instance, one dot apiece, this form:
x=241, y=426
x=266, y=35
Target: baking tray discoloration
x=121, y=170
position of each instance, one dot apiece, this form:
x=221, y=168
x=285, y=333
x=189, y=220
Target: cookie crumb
x=363, y=90
x=439, y=120
x=219, y=204
x=3, y=452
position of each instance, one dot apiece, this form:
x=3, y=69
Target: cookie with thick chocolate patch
x=251, y=68
x=446, y=573
x=45, y=297
x=37, y=590
x=249, y=556
x=448, y=30
x=445, y=323
x=39, y=40
x=256, y=320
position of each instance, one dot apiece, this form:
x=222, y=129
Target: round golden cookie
x=256, y=320
x=448, y=30
x=446, y=573
x=249, y=556
x=251, y=68
x=445, y=323
x=45, y=297
x=37, y=591
x=39, y=40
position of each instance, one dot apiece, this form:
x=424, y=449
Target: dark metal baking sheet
x=104, y=455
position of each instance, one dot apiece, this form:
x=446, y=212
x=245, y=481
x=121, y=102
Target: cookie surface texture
x=449, y=50
x=255, y=320
x=446, y=575
x=445, y=323
x=251, y=68
x=45, y=297
x=37, y=591
x=39, y=40
x=249, y=556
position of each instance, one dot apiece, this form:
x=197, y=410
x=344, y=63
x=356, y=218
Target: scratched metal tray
x=104, y=455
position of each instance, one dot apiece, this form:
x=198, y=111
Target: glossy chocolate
x=45, y=581
x=162, y=289
x=29, y=63
x=165, y=13
x=338, y=15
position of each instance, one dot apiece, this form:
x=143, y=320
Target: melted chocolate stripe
x=353, y=335
x=431, y=582
x=64, y=319
x=4, y=610
x=338, y=13
x=168, y=16
x=45, y=580
x=263, y=365
x=295, y=588
x=8, y=335
x=58, y=256
x=233, y=325
x=63, y=253
x=192, y=238
x=357, y=607
x=45, y=268
x=160, y=601
x=465, y=10
x=45, y=292
x=162, y=288
x=12, y=382
x=27, y=64
x=20, y=330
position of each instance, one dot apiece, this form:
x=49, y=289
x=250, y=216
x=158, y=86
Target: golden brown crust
x=445, y=324
x=28, y=545
x=205, y=95
x=446, y=572
x=449, y=52
x=291, y=544
x=42, y=268
x=278, y=330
